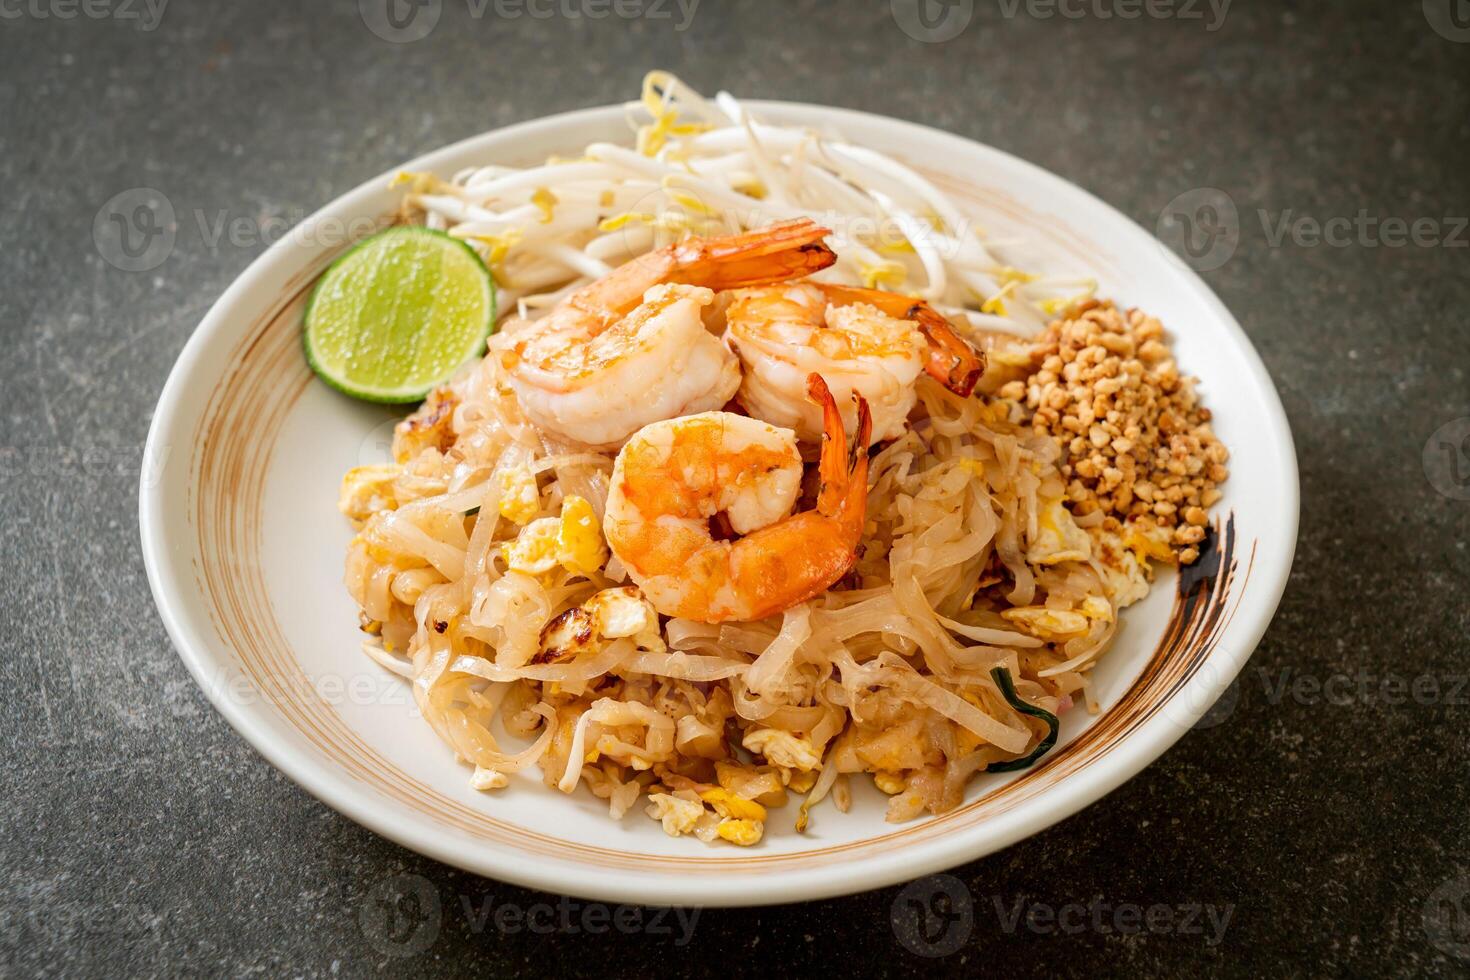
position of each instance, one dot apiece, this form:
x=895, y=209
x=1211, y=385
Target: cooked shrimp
x=632, y=347
x=862, y=341
x=674, y=476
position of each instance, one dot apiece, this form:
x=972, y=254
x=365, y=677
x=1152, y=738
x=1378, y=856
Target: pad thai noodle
x=776, y=473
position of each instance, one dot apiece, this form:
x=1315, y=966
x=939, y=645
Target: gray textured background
x=141, y=835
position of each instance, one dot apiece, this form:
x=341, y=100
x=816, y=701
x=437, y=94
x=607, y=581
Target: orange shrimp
x=951, y=361
x=632, y=347
x=674, y=476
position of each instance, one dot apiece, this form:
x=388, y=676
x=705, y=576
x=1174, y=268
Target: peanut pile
x=1137, y=444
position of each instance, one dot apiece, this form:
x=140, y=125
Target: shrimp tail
x=843, y=467
x=777, y=253
x=951, y=360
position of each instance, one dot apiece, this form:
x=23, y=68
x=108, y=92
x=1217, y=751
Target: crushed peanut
x=1136, y=443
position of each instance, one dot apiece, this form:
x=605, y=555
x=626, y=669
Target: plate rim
x=1133, y=753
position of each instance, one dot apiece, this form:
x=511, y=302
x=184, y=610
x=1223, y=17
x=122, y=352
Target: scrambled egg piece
x=430, y=426
x=1049, y=624
x=583, y=548
x=764, y=786
x=519, y=496
x=1149, y=542
x=1062, y=624
x=574, y=541
x=742, y=832
x=367, y=490
x=782, y=749
x=610, y=614
x=1096, y=607
x=800, y=782
x=678, y=815
x=1125, y=574
x=485, y=779
x=1058, y=538
x=891, y=748
x=534, y=551
x=621, y=611
x=891, y=783
x=727, y=804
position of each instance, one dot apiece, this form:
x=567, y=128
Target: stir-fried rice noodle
x=969, y=560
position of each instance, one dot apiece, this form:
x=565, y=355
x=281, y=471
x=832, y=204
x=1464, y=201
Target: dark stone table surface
x=1322, y=826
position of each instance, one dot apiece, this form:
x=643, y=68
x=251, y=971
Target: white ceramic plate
x=244, y=548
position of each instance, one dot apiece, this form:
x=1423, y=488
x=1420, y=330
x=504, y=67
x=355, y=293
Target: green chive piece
x=1007, y=687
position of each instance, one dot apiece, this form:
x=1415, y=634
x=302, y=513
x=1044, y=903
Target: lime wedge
x=398, y=314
